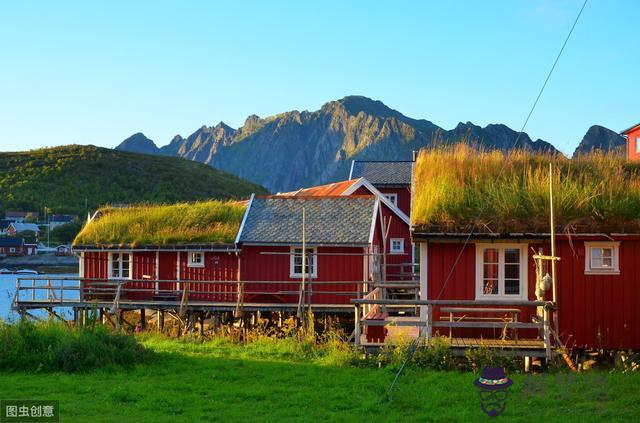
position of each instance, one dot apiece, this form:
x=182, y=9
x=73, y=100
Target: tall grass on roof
x=203, y=222
x=457, y=188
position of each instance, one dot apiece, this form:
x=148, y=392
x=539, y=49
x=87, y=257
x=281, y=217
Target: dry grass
x=458, y=187
x=208, y=221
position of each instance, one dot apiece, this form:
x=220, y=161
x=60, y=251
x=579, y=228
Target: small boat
x=26, y=272
x=5, y=271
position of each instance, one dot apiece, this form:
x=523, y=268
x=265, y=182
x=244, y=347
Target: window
x=601, y=258
x=12, y=250
x=295, y=270
x=393, y=198
x=638, y=145
x=196, y=259
x=120, y=266
x=501, y=271
x=397, y=246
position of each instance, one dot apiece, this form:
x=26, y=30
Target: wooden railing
x=542, y=321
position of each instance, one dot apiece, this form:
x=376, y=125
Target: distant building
x=633, y=142
x=15, y=246
x=61, y=219
x=4, y=224
x=63, y=250
x=20, y=216
x=16, y=228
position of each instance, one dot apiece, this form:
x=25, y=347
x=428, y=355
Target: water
x=8, y=290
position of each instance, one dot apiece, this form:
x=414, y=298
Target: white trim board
x=362, y=182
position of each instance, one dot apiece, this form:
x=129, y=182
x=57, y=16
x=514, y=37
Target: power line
x=535, y=103
x=414, y=344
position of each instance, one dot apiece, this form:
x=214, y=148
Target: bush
x=52, y=346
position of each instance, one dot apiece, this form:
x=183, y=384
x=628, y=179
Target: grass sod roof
x=185, y=223
x=458, y=187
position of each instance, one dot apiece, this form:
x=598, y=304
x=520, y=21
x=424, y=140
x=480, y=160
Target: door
x=167, y=273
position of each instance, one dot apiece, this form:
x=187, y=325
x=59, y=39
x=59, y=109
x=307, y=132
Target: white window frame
x=637, y=145
x=589, y=269
x=396, y=251
x=313, y=259
x=110, y=266
x=392, y=197
x=501, y=296
x=12, y=250
x=192, y=263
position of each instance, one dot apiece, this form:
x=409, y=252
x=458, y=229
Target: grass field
x=268, y=381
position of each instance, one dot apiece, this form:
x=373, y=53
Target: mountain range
x=294, y=149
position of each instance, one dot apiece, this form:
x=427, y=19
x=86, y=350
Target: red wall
x=404, y=197
x=397, y=229
x=631, y=145
x=269, y=268
x=218, y=267
x=594, y=311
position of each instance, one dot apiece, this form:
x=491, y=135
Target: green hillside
x=64, y=178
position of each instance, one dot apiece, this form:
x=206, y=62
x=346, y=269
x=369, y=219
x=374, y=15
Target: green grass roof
x=457, y=188
x=184, y=223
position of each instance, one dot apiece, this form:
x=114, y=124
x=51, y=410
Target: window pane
x=606, y=252
x=607, y=262
x=490, y=287
x=512, y=271
x=491, y=255
x=596, y=253
x=512, y=286
x=596, y=262
x=490, y=271
x=512, y=255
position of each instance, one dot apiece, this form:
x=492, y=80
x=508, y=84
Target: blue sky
x=96, y=72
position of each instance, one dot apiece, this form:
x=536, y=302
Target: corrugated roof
x=383, y=173
x=336, y=188
x=329, y=220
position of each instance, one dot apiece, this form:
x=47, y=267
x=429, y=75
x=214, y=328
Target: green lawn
x=264, y=381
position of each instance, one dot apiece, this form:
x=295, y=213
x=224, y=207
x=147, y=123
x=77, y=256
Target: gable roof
x=383, y=172
x=7, y=241
x=328, y=220
x=21, y=227
x=345, y=188
x=626, y=131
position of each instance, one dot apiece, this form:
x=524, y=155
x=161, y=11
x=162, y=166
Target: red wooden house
x=487, y=259
x=398, y=249
x=633, y=142
x=343, y=235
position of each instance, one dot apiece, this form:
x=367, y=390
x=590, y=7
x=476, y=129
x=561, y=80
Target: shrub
x=52, y=346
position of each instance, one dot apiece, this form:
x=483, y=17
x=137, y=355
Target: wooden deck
x=171, y=305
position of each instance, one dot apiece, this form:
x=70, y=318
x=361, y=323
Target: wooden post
x=553, y=234
x=357, y=329
x=161, y=320
x=429, y=322
x=143, y=319
x=118, y=316
x=547, y=335
x=75, y=317
x=202, y=323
